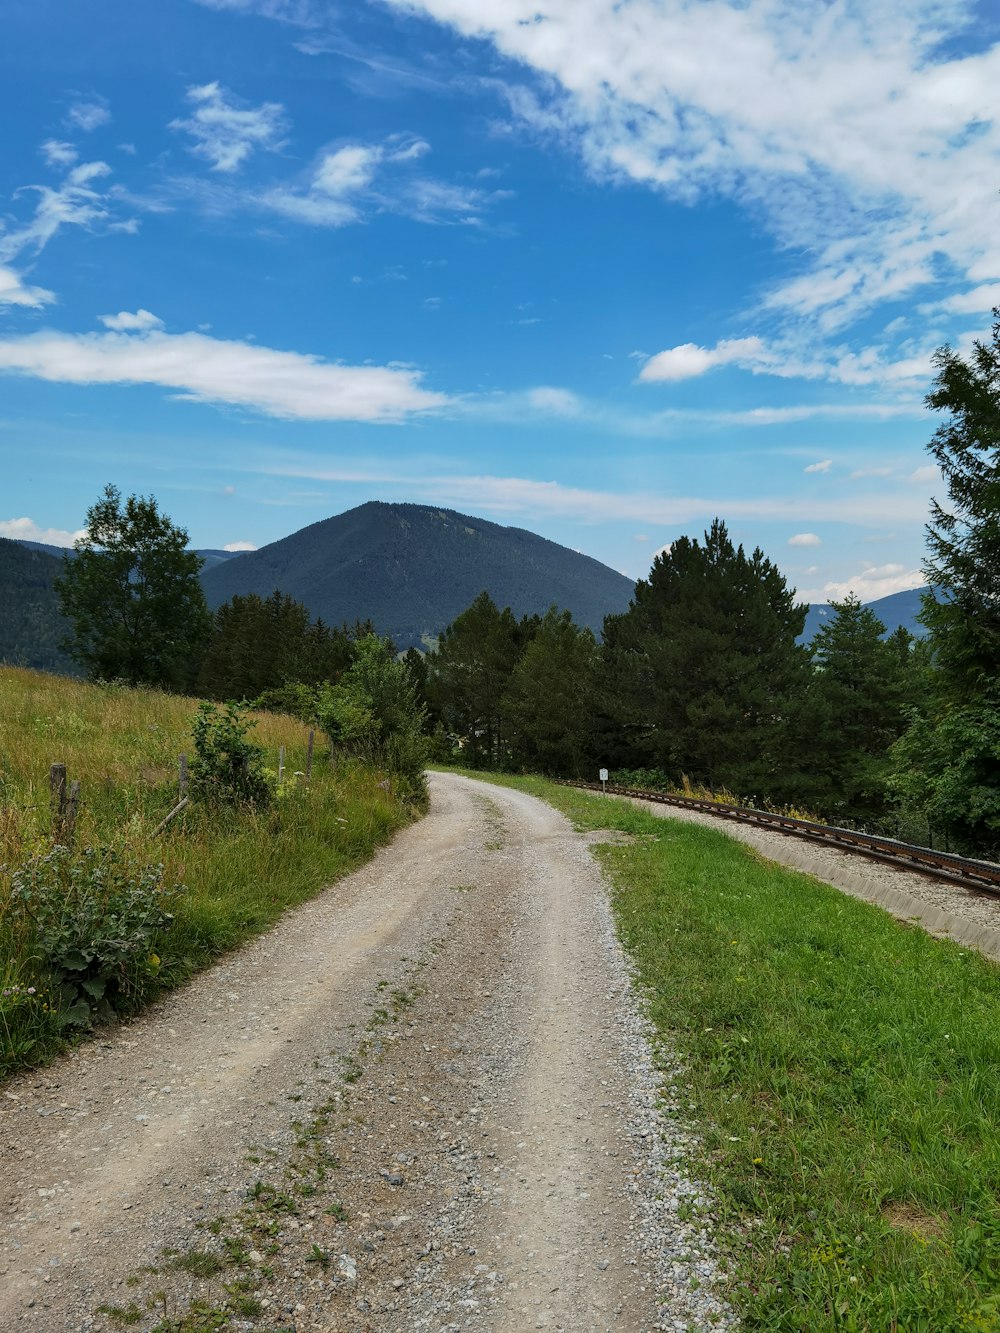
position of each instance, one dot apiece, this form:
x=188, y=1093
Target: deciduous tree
x=133, y=597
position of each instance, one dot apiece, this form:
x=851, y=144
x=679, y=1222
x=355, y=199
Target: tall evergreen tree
x=470, y=675
x=862, y=684
x=551, y=697
x=704, y=669
x=948, y=763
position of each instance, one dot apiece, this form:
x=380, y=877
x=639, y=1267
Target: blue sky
x=604, y=269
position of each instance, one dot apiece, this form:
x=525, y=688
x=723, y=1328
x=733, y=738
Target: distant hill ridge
x=412, y=569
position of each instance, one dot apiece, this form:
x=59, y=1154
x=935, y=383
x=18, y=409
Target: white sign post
x=603, y=775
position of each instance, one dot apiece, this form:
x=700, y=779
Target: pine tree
x=470, y=674
x=862, y=684
x=551, y=697
x=704, y=668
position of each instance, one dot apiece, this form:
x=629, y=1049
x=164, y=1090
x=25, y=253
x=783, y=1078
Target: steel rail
x=981, y=876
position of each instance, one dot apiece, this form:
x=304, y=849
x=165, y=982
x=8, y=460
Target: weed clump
x=228, y=767
x=91, y=919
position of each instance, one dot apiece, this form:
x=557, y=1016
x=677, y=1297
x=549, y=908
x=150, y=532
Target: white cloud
x=14, y=291
x=356, y=177
x=865, y=133
x=59, y=154
x=27, y=530
x=125, y=321
x=976, y=301
x=927, y=475
x=872, y=583
x=239, y=546
x=824, y=466
x=227, y=131
x=805, y=539
x=89, y=114
x=75, y=203
x=688, y=360
x=276, y=383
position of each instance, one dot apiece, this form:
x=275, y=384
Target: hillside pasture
x=240, y=867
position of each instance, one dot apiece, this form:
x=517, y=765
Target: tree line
x=702, y=681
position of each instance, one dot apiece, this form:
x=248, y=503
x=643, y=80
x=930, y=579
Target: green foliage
x=962, y=609
x=228, y=767
x=860, y=691
x=551, y=697
x=133, y=597
x=260, y=644
x=373, y=713
x=92, y=919
x=471, y=675
x=947, y=767
x=702, y=674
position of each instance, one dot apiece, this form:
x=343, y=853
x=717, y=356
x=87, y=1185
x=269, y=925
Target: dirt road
x=423, y=1101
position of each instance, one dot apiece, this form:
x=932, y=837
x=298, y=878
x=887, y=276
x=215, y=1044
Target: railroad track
x=982, y=876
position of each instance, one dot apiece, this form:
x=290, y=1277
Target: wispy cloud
x=75, y=203
x=226, y=131
x=824, y=466
x=354, y=179
x=276, y=383
x=805, y=539
x=88, y=113
x=541, y=498
x=862, y=133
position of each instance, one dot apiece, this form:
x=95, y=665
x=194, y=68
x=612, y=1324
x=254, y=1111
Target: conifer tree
x=704, y=669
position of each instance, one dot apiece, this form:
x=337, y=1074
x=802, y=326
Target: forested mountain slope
x=412, y=569
x=30, y=625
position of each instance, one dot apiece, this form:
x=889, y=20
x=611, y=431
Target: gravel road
x=424, y=1101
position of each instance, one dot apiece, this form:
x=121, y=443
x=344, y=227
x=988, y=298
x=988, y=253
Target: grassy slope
x=242, y=869
x=845, y=1076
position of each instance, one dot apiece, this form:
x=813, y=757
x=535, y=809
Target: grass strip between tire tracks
x=844, y=1077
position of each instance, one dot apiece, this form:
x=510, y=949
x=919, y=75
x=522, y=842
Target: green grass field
x=846, y=1080
x=242, y=867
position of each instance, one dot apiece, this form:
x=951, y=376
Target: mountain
x=899, y=608
x=412, y=568
x=30, y=625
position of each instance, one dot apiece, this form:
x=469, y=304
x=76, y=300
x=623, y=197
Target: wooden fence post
x=309, y=754
x=57, y=799
x=72, y=806
x=182, y=776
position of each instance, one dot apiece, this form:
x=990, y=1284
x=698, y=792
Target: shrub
x=91, y=920
x=228, y=767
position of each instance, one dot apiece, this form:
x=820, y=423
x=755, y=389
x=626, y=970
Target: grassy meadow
x=844, y=1073
x=241, y=867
